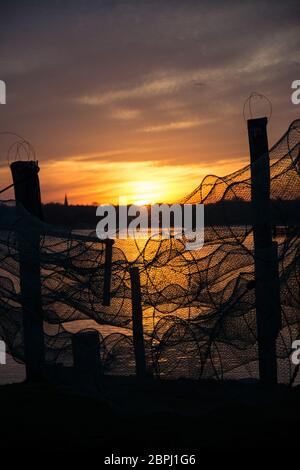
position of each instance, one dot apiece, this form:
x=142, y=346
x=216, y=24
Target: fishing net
x=198, y=306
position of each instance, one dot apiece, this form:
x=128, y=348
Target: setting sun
x=146, y=192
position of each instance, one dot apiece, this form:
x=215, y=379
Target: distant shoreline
x=224, y=213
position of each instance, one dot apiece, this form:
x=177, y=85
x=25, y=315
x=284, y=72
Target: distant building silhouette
x=66, y=204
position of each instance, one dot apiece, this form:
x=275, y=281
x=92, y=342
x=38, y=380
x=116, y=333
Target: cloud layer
x=142, y=84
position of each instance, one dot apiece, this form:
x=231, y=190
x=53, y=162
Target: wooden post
x=27, y=186
x=27, y=193
x=137, y=323
x=267, y=286
x=107, y=272
x=86, y=358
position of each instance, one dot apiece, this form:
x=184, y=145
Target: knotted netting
x=198, y=306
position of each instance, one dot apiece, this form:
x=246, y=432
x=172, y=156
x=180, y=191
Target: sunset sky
x=141, y=99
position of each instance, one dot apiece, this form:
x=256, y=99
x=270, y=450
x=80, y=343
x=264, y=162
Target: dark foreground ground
x=134, y=418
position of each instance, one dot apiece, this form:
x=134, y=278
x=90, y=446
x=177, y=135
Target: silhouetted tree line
x=235, y=212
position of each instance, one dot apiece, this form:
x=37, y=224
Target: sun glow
x=122, y=183
x=145, y=192
x=143, y=202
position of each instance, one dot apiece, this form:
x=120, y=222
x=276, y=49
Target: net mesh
x=198, y=306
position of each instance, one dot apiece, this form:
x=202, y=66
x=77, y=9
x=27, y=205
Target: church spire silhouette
x=66, y=201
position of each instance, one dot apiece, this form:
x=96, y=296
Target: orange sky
x=142, y=99
x=94, y=178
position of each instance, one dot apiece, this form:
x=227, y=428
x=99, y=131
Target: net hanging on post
x=198, y=306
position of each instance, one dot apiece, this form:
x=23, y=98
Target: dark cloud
x=135, y=80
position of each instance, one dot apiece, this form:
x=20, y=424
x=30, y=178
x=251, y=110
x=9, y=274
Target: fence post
x=27, y=193
x=267, y=285
x=107, y=272
x=137, y=323
x=86, y=358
